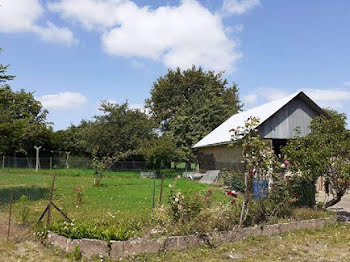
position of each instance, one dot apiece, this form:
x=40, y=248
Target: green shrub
x=303, y=190
x=23, y=207
x=233, y=179
x=106, y=230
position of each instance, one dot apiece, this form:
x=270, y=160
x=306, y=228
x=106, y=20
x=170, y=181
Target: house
x=278, y=122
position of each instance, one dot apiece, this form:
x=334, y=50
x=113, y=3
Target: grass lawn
x=330, y=243
x=122, y=194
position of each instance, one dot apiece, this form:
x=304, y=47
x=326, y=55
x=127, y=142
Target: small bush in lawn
x=79, y=191
x=23, y=207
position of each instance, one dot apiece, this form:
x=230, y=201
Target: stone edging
x=119, y=249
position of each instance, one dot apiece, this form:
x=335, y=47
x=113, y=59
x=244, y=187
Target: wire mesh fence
x=62, y=162
x=30, y=198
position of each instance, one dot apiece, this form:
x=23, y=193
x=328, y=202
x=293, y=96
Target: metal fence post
x=10, y=214
x=37, y=158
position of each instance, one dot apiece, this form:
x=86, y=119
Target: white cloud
x=63, y=101
x=347, y=83
x=239, y=6
x=22, y=16
x=332, y=98
x=55, y=34
x=328, y=98
x=250, y=99
x=90, y=13
x=180, y=35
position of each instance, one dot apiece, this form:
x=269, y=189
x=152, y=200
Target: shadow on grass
x=32, y=192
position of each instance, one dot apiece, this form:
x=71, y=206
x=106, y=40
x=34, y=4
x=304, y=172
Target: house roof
x=222, y=134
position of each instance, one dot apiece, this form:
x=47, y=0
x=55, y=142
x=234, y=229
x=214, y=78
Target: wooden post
x=37, y=148
x=10, y=214
x=3, y=161
x=154, y=191
x=50, y=201
x=50, y=162
x=161, y=190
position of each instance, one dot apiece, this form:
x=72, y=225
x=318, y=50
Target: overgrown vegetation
x=324, y=152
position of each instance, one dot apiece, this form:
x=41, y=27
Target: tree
x=120, y=132
x=161, y=150
x=23, y=121
x=190, y=104
x=3, y=76
x=324, y=152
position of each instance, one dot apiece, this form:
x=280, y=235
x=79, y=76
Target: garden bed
x=119, y=249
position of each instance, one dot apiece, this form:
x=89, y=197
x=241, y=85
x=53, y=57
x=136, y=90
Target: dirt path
x=23, y=246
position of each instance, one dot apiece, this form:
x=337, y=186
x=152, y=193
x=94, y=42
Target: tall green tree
x=120, y=132
x=190, y=104
x=23, y=122
x=324, y=152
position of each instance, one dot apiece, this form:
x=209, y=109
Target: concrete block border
x=120, y=249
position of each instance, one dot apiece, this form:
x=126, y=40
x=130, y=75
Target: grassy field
x=122, y=194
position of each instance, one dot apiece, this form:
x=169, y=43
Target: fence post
x=50, y=201
x=161, y=190
x=154, y=191
x=37, y=148
x=67, y=164
x=3, y=161
x=10, y=214
x=50, y=162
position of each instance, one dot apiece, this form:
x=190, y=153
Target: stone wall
x=119, y=249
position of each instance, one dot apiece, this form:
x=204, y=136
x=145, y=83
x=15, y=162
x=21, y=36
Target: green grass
x=330, y=243
x=122, y=194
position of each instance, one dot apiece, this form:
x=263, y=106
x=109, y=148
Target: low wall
x=119, y=249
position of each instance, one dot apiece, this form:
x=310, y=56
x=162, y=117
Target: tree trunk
x=335, y=200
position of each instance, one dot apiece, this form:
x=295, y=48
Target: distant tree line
x=184, y=106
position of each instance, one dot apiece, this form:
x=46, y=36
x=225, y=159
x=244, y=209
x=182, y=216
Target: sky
x=75, y=53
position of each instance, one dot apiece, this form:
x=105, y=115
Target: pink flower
x=179, y=206
x=206, y=198
x=286, y=163
x=210, y=191
x=256, y=130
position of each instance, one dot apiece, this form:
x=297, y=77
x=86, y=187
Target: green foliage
x=190, y=104
x=3, y=76
x=76, y=254
x=303, y=190
x=23, y=122
x=161, y=150
x=259, y=161
x=122, y=229
x=100, y=165
x=234, y=179
x=23, y=207
x=324, y=152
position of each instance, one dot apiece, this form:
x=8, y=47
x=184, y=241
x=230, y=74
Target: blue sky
x=75, y=53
